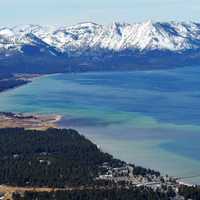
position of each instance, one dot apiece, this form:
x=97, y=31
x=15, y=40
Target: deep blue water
x=151, y=118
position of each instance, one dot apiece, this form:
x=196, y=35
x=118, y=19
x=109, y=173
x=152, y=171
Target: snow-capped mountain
x=91, y=44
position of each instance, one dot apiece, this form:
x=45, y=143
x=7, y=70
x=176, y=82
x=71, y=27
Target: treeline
x=135, y=193
x=192, y=192
x=53, y=158
x=144, y=171
x=8, y=81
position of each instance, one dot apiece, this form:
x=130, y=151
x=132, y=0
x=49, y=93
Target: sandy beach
x=39, y=122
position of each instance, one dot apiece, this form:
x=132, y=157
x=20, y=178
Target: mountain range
x=92, y=47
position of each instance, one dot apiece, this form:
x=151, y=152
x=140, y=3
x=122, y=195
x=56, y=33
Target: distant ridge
x=90, y=46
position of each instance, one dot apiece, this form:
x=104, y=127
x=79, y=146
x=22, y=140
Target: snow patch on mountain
x=172, y=36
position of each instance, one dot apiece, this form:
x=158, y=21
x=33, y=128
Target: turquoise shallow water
x=151, y=118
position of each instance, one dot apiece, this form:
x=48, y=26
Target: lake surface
x=150, y=118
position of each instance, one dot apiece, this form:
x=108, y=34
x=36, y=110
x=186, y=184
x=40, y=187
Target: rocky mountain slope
x=90, y=46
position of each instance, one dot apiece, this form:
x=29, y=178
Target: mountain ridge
x=95, y=45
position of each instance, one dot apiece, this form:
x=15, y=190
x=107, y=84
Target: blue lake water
x=151, y=118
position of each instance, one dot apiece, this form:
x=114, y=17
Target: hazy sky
x=49, y=12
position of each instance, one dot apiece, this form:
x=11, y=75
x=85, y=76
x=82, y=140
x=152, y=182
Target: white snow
x=148, y=35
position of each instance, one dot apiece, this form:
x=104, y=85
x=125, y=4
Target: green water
x=151, y=118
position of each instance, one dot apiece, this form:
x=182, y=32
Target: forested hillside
x=133, y=193
x=56, y=158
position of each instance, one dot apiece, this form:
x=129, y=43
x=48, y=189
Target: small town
x=125, y=174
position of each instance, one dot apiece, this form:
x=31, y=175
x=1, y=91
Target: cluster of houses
x=125, y=174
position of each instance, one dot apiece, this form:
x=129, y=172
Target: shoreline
x=23, y=79
x=28, y=121
x=35, y=121
x=43, y=122
x=12, y=88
